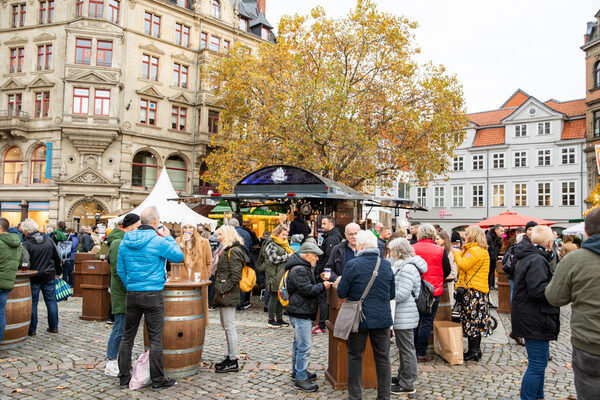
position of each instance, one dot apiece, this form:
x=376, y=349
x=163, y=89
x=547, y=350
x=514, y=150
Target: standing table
x=18, y=312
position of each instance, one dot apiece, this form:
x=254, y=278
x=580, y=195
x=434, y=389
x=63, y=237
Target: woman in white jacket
x=407, y=268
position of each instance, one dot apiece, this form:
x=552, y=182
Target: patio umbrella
x=512, y=219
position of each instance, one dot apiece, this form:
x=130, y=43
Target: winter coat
x=337, y=259
x=273, y=258
x=43, y=257
x=438, y=265
x=381, y=246
x=13, y=229
x=11, y=256
x=197, y=258
x=87, y=243
x=356, y=276
x=407, y=278
x=246, y=236
x=74, y=238
x=576, y=281
x=299, y=226
x=228, y=276
x=330, y=239
x=142, y=257
x=494, y=244
x=58, y=235
x=509, y=262
x=117, y=289
x=303, y=289
x=473, y=267
x=532, y=317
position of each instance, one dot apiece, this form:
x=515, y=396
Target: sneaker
x=311, y=376
x=211, y=308
x=55, y=330
x=397, y=389
x=228, y=366
x=164, y=384
x=306, y=385
x=112, y=368
x=247, y=306
x=282, y=323
x=240, y=308
x=273, y=324
x=220, y=364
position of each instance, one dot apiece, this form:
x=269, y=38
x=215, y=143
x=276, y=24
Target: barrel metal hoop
x=185, y=318
x=181, y=292
x=21, y=284
x=22, y=299
x=16, y=326
x=8, y=342
x=183, y=298
x=183, y=351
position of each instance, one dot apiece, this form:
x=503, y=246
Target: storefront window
x=144, y=170
x=38, y=165
x=177, y=171
x=38, y=211
x=11, y=210
x=13, y=166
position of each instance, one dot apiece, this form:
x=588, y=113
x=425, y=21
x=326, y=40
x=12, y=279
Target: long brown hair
x=447, y=243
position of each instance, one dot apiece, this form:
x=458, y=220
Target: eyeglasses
x=351, y=234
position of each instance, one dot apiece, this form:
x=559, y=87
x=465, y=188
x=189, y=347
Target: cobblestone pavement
x=70, y=365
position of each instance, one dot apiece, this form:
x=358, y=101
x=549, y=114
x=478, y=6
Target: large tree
x=344, y=98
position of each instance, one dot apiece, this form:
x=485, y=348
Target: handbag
x=425, y=299
x=459, y=292
x=350, y=314
x=62, y=289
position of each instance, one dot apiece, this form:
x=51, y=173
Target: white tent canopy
x=170, y=211
x=577, y=229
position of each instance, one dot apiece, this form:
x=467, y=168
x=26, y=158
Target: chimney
x=261, y=5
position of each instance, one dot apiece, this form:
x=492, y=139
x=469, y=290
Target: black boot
x=478, y=347
x=471, y=353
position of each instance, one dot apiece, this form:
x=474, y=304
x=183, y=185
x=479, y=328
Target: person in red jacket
x=438, y=268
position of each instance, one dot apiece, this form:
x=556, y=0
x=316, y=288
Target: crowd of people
x=544, y=271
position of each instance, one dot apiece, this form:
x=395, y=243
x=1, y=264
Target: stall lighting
x=291, y=194
x=215, y=194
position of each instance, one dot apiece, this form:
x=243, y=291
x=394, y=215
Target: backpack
x=104, y=250
x=248, y=277
x=64, y=249
x=425, y=299
x=282, y=293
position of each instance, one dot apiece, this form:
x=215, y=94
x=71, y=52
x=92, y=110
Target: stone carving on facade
x=132, y=3
x=152, y=49
x=89, y=175
x=12, y=84
x=4, y=3
x=15, y=40
x=196, y=6
x=126, y=125
x=40, y=82
x=44, y=37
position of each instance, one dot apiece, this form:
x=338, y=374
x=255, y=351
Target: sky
x=494, y=47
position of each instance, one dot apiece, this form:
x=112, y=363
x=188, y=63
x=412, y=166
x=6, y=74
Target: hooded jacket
x=576, y=281
x=532, y=316
x=11, y=256
x=303, y=289
x=87, y=243
x=473, y=267
x=43, y=257
x=330, y=239
x=407, y=278
x=494, y=244
x=117, y=289
x=228, y=276
x=142, y=257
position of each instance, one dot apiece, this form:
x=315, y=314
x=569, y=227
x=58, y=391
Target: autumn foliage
x=344, y=98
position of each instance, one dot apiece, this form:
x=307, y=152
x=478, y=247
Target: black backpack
x=425, y=299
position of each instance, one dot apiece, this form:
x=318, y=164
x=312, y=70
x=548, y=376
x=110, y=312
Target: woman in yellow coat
x=473, y=264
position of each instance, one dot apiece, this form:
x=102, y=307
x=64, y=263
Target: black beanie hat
x=530, y=224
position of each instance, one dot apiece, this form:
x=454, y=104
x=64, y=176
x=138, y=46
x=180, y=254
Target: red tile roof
x=574, y=129
x=489, y=137
x=516, y=99
x=494, y=117
x=570, y=108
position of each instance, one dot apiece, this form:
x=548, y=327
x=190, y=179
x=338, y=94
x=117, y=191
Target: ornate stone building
x=98, y=96
x=591, y=48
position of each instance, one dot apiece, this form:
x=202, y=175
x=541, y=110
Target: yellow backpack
x=248, y=277
x=282, y=293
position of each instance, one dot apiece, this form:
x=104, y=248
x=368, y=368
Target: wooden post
x=503, y=289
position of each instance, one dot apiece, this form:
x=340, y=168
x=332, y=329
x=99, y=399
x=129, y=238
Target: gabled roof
x=493, y=117
x=569, y=108
x=489, y=137
x=574, y=129
x=519, y=97
x=248, y=9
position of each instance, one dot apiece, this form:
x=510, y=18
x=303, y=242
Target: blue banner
x=39, y=206
x=48, y=160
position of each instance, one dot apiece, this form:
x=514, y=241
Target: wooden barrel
x=18, y=314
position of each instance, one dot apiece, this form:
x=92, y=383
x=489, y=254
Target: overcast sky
x=495, y=47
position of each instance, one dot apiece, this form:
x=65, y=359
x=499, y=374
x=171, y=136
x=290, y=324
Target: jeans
x=210, y=289
x=275, y=307
x=423, y=331
x=301, y=347
x=114, y=341
x=3, y=299
x=512, y=287
x=68, y=275
x=151, y=305
x=407, y=358
x=586, y=368
x=227, y=316
x=491, y=276
x=49, y=292
x=532, y=385
x=244, y=298
x=355, y=346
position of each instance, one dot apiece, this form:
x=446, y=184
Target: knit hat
x=310, y=248
x=130, y=219
x=530, y=224
x=297, y=238
x=188, y=221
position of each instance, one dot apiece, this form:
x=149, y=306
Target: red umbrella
x=512, y=219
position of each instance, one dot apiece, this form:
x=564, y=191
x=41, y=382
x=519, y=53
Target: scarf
x=283, y=243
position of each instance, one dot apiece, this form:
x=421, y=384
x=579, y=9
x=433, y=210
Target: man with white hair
x=343, y=252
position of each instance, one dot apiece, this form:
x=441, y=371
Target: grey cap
x=310, y=248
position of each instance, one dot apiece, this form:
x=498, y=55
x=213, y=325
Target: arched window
x=177, y=171
x=216, y=7
x=597, y=74
x=38, y=165
x=144, y=170
x=13, y=166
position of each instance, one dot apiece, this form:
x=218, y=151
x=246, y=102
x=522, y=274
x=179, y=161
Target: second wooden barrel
x=18, y=314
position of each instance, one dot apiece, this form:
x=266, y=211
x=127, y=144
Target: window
x=46, y=12
x=520, y=159
x=597, y=74
x=244, y=23
x=102, y=102
x=422, y=196
x=149, y=67
x=215, y=43
x=148, y=112
x=19, y=12
x=104, y=53
x=83, y=51
x=17, y=60
x=438, y=196
x=113, y=10
x=568, y=193
x=520, y=130
x=498, y=190
x=38, y=165
x=96, y=7
x=42, y=104
x=544, y=157
x=81, y=98
x=182, y=35
x=568, y=155
x=477, y=195
x=213, y=122
x=79, y=8
x=178, y=116
x=177, y=171
x=478, y=161
x=15, y=102
x=144, y=170
x=597, y=124
x=520, y=194
x=458, y=193
x=225, y=45
x=403, y=190
x=265, y=33
x=13, y=166
x=498, y=160
x=151, y=24
x=44, y=60
x=458, y=163
x=180, y=75
x=543, y=128
x=216, y=9
x=544, y=194
x=183, y=3
x=203, y=40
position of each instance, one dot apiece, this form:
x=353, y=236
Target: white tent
x=577, y=229
x=170, y=211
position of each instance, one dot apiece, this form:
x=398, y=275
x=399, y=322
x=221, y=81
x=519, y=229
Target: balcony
x=13, y=122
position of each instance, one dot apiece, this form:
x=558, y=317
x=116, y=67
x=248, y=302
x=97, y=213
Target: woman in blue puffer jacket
x=407, y=268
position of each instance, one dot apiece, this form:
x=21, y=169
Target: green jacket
x=576, y=281
x=59, y=235
x=273, y=258
x=11, y=256
x=228, y=276
x=117, y=289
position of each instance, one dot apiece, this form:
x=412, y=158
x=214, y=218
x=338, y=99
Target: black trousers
x=355, y=345
x=323, y=313
x=151, y=305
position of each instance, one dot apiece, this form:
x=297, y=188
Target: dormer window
x=244, y=24
x=216, y=9
x=265, y=33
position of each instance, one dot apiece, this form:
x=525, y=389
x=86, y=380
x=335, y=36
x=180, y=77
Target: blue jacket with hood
x=142, y=257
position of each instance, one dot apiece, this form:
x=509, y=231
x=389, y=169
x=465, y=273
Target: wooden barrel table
x=18, y=312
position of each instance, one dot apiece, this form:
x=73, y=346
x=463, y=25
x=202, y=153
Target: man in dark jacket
x=304, y=292
x=11, y=256
x=343, y=252
x=43, y=258
x=299, y=225
x=87, y=243
x=494, y=239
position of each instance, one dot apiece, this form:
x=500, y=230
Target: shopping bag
x=448, y=341
x=140, y=372
x=62, y=290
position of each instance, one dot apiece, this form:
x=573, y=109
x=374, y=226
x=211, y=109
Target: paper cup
x=197, y=276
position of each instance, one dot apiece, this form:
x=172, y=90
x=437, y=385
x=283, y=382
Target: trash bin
x=95, y=281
